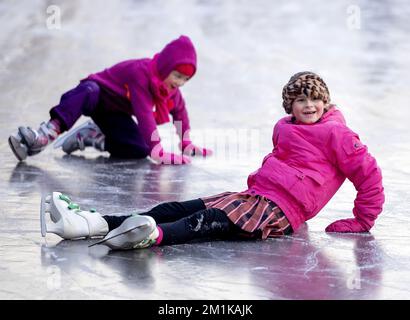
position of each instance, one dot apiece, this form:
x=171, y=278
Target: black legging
x=123, y=138
x=188, y=220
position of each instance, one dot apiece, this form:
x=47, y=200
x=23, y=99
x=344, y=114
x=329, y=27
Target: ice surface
x=246, y=52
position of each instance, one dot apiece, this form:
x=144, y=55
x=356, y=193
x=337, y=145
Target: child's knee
x=92, y=87
x=93, y=93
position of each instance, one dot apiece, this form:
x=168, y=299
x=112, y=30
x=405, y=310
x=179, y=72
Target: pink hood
x=178, y=51
x=308, y=165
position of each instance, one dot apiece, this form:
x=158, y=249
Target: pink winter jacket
x=131, y=79
x=308, y=165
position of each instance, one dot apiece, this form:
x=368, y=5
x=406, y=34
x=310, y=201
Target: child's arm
x=180, y=117
x=181, y=123
x=142, y=107
x=356, y=163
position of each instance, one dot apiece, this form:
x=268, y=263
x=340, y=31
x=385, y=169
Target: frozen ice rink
x=247, y=50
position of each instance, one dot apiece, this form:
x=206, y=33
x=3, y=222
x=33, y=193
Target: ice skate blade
x=119, y=234
x=43, y=225
x=60, y=140
x=19, y=149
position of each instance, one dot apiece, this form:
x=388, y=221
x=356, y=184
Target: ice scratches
x=159, y=193
x=259, y=268
x=174, y=249
x=311, y=261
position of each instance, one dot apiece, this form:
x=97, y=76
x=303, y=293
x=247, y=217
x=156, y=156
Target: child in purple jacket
x=314, y=152
x=145, y=88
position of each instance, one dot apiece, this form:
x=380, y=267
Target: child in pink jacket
x=147, y=89
x=313, y=154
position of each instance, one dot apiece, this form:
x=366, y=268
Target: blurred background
x=247, y=51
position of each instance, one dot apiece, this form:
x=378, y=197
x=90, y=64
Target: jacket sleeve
x=142, y=103
x=275, y=135
x=360, y=167
x=180, y=117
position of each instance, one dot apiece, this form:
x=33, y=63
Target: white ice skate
x=67, y=219
x=85, y=135
x=135, y=232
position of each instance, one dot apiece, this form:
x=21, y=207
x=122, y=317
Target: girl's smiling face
x=175, y=80
x=307, y=110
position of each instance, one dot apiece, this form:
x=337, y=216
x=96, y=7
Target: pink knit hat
x=186, y=69
x=307, y=83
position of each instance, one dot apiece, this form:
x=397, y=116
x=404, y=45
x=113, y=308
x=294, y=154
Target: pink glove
x=170, y=158
x=189, y=149
x=346, y=225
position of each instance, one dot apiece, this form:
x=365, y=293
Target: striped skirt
x=251, y=213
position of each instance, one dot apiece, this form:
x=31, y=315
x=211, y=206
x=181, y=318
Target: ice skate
x=28, y=142
x=135, y=232
x=67, y=219
x=86, y=135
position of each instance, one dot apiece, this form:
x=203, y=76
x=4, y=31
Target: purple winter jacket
x=131, y=81
x=308, y=165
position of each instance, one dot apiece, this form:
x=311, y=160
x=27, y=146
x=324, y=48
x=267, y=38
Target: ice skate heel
x=19, y=149
x=134, y=231
x=67, y=219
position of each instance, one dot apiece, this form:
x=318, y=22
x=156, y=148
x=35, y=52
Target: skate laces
x=35, y=140
x=37, y=137
x=80, y=141
x=72, y=205
x=145, y=243
x=40, y=138
x=92, y=137
x=149, y=241
x=49, y=131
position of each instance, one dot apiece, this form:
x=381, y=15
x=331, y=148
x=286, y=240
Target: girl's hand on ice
x=189, y=149
x=346, y=225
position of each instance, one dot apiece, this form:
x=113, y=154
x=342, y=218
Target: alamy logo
x=353, y=281
x=354, y=17
x=53, y=21
x=54, y=278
